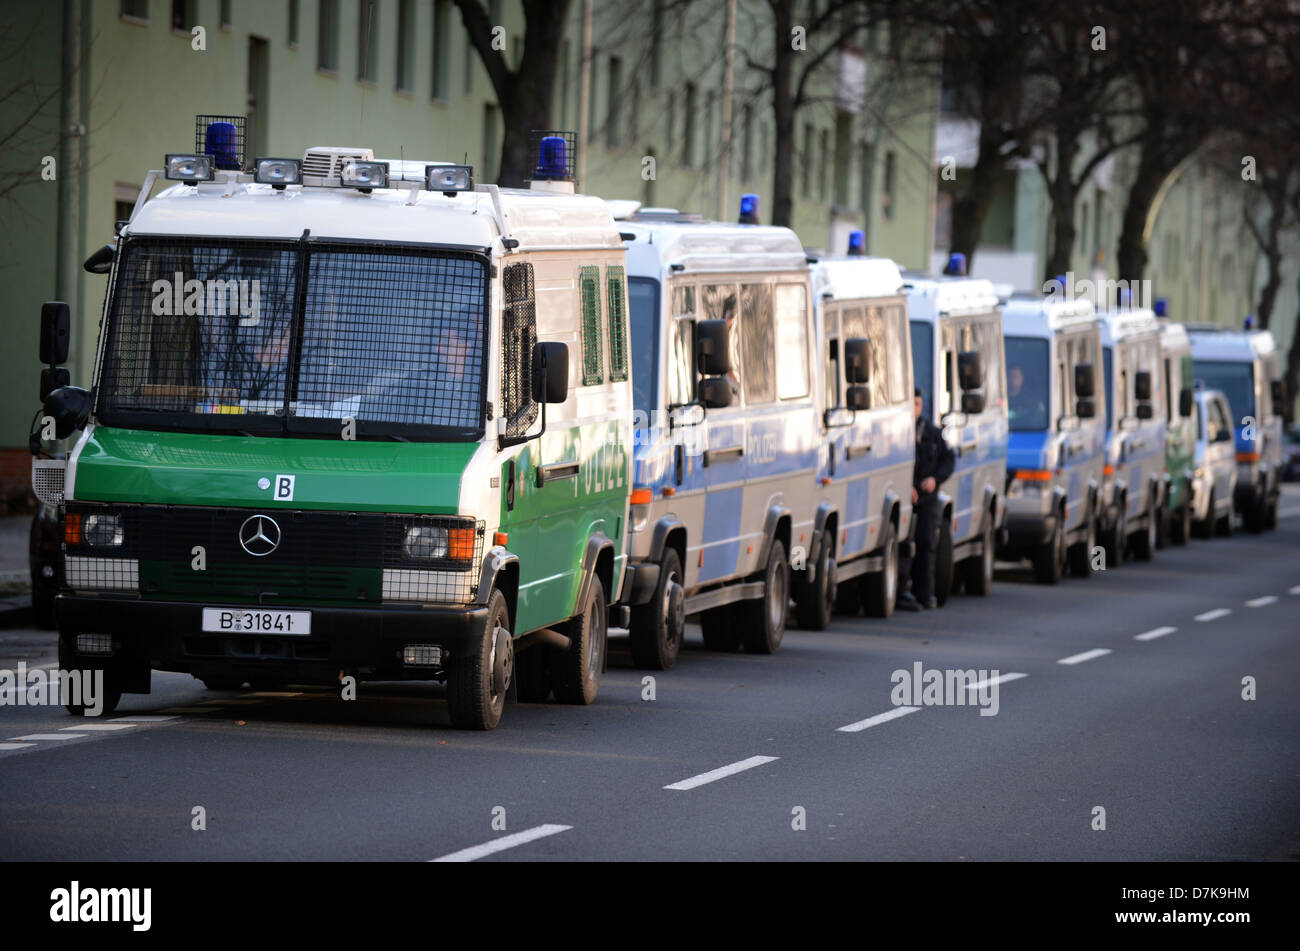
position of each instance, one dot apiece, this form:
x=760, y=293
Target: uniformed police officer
x=934, y=463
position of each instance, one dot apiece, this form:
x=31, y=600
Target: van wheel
x=1204, y=527
x=718, y=625
x=762, y=622
x=1080, y=554
x=815, y=602
x=1049, y=557
x=1223, y=526
x=1162, y=524
x=880, y=590
x=479, y=675
x=1116, y=540
x=533, y=675
x=1256, y=514
x=575, y=673
x=657, y=627
x=1144, y=544
x=112, y=690
x=978, y=571
x=943, y=566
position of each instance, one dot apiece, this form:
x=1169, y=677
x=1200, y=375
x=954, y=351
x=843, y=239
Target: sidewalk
x=15, y=572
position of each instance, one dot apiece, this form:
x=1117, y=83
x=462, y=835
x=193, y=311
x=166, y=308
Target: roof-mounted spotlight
x=277, y=172
x=364, y=176
x=449, y=179
x=190, y=169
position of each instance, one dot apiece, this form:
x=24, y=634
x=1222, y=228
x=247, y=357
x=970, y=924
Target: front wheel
x=657, y=627
x=979, y=570
x=1080, y=554
x=815, y=602
x=763, y=621
x=1144, y=547
x=480, y=673
x=880, y=590
x=1049, y=557
x=575, y=673
x=1116, y=540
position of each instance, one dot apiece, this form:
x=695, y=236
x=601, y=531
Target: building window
x=891, y=162
x=656, y=44
x=405, y=44
x=808, y=149
x=184, y=15
x=823, y=162
x=614, y=100
x=688, y=138
x=293, y=23
x=135, y=10
x=442, y=50
x=327, y=37
x=368, y=41
x=226, y=16
x=747, y=145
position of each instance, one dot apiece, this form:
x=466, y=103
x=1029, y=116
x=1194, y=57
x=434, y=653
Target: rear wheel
x=575, y=672
x=880, y=590
x=814, y=602
x=1049, y=556
x=944, y=569
x=657, y=627
x=718, y=625
x=1080, y=554
x=762, y=621
x=1256, y=514
x=1115, y=541
x=978, y=571
x=480, y=673
x=1144, y=542
x=1162, y=523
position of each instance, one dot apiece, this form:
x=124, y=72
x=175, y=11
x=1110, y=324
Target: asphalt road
x=1154, y=730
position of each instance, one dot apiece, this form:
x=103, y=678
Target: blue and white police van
x=1244, y=365
x=1134, y=485
x=868, y=445
x=727, y=434
x=957, y=360
x=1057, y=417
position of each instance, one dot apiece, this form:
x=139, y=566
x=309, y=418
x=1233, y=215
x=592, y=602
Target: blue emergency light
x=749, y=209
x=857, y=243
x=956, y=264
x=1249, y=322
x=1162, y=307
x=552, y=159
x=222, y=143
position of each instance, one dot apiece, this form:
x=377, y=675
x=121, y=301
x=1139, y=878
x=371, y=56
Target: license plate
x=248, y=621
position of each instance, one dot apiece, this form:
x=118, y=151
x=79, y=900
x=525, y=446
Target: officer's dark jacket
x=934, y=457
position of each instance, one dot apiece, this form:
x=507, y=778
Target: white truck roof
x=1116, y=325
x=1173, y=337
x=1035, y=316
x=856, y=278
x=929, y=297
x=666, y=239
x=1209, y=343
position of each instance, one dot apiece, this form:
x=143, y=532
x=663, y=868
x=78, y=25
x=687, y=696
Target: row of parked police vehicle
x=368, y=418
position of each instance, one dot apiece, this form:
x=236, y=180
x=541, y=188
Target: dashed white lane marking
x=1294, y=589
x=48, y=736
x=98, y=726
x=143, y=719
x=722, y=772
x=1288, y=513
x=877, y=720
x=503, y=843
x=992, y=681
x=1260, y=602
x=1086, y=655
x=1212, y=615
x=1153, y=634
x=17, y=746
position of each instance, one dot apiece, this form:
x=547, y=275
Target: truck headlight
x=103, y=531
x=425, y=542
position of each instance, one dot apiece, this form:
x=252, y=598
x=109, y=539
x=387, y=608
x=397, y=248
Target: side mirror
x=52, y=378
x=550, y=371
x=1085, y=408
x=69, y=407
x=1142, y=387
x=1145, y=410
x=857, y=397
x=970, y=371
x=56, y=330
x=972, y=403
x=1185, y=401
x=691, y=414
x=1278, y=394
x=1085, y=384
x=857, y=361
x=712, y=347
x=715, y=392
x=837, y=417
x=101, y=262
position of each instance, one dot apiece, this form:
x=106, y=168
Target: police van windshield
x=1027, y=376
x=1235, y=379
x=643, y=313
x=923, y=362
x=296, y=339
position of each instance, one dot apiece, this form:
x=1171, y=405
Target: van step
x=726, y=595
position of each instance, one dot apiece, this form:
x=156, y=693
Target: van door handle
x=556, y=470
x=723, y=455
x=970, y=446
x=861, y=449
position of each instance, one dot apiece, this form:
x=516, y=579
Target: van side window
x=616, y=304
x=879, y=357
x=593, y=369
x=720, y=302
x=518, y=339
x=897, y=339
x=791, y=341
x=832, y=357
x=758, y=342
x=947, y=387
x=990, y=345
x=681, y=363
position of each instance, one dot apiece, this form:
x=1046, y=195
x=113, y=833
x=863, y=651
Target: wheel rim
x=891, y=570
x=496, y=697
x=988, y=553
x=828, y=584
x=596, y=627
x=777, y=596
x=674, y=607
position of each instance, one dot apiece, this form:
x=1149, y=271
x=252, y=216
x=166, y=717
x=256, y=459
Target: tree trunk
x=783, y=110
x=970, y=207
x=1062, y=191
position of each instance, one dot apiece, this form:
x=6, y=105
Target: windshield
x=923, y=363
x=1027, y=393
x=1236, y=380
x=296, y=339
x=643, y=312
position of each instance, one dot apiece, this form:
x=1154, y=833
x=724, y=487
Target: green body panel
x=549, y=525
x=165, y=468
x=1180, y=449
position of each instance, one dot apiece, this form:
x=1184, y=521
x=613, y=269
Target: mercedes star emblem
x=259, y=535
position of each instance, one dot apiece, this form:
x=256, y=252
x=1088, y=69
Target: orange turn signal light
x=1108, y=470
x=642, y=496
x=460, y=544
x=72, y=529
x=1248, y=457
x=1034, y=475
x=500, y=538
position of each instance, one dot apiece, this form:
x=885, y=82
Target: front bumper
x=168, y=635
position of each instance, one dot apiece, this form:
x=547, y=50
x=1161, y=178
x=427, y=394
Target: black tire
x=533, y=674
x=815, y=602
x=112, y=689
x=718, y=625
x=575, y=673
x=473, y=700
x=1080, y=553
x=1180, y=529
x=1114, y=543
x=944, y=569
x=1144, y=541
x=1049, y=557
x=977, y=572
x=658, y=626
x=265, y=683
x=1256, y=514
x=762, y=621
x=880, y=589
x=1163, y=523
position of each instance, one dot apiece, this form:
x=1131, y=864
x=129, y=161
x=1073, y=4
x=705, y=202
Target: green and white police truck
x=334, y=431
